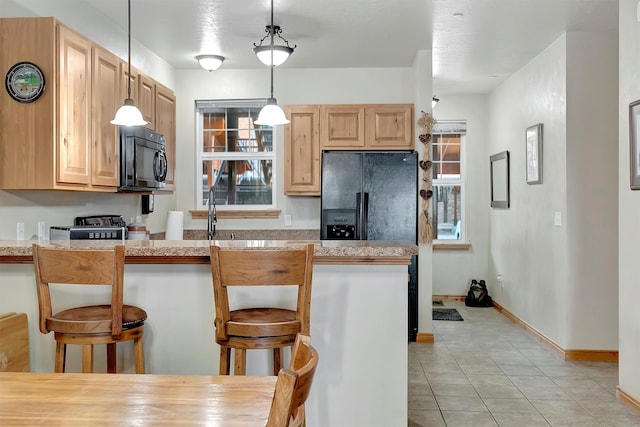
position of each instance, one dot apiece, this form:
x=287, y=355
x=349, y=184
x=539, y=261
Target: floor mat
x=437, y=303
x=446, y=314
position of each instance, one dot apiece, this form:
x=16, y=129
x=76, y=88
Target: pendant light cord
x=129, y=47
x=271, y=30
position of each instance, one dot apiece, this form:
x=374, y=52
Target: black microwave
x=143, y=159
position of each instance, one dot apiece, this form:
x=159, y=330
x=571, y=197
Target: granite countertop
x=364, y=250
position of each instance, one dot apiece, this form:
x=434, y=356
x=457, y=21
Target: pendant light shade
x=271, y=114
x=128, y=114
x=210, y=62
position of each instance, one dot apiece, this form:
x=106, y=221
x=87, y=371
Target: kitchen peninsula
x=358, y=318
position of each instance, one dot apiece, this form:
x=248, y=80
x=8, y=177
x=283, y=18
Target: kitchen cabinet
x=302, y=150
x=49, y=143
x=314, y=128
x=165, y=121
x=146, y=100
x=367, y=127
x=64, y=140
x=106, y=100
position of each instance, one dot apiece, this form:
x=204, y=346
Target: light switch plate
x=20, y=231
x=557, y=219
x=287, y=220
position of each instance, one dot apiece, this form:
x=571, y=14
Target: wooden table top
x=72, y=399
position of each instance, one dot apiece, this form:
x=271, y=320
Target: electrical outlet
x=500, y=280
x=20, y=231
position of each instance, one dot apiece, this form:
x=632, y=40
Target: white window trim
x=202, y=156
x=461, y=182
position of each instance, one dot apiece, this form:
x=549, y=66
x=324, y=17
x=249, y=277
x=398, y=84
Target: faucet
x=212, y=218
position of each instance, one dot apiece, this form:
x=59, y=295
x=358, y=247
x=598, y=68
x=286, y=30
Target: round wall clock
x=25, y=82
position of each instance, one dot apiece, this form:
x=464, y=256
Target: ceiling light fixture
x=434, y=101
x=128, y=114
x=271, y=53
x=271, y=114
x=210, y=62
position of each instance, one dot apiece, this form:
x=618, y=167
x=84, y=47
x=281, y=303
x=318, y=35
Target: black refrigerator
x=368, y=195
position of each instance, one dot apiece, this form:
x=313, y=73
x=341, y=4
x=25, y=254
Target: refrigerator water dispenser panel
x=339, y=224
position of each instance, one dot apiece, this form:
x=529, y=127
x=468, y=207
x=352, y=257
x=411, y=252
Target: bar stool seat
x=92, y=324
x=259, y=327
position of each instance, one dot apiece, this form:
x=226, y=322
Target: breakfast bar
x=358, y=318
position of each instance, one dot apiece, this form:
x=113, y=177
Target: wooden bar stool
x=261, y=327
x=88, y=325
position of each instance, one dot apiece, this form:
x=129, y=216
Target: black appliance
x=373, y=196
x=109, y=227
x=143, y=159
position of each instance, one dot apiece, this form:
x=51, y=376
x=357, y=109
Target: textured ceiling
x=472, y=53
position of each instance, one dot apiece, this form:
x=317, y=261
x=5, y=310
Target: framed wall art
x=634, y=135
x=534, y=154
x=500, y=180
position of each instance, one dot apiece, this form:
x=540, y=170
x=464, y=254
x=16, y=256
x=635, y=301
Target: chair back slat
x=294, y=385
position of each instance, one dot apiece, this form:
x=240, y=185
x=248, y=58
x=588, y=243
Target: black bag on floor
x=478, y=296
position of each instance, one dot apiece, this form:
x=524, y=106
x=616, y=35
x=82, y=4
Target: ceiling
x=475, y=43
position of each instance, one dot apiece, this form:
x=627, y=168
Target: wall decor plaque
x=25, y=82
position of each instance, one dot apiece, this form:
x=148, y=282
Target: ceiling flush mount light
x=128, y=114
x=271, y=114
x=434, y=101
x=210, y=62
x=272, y=53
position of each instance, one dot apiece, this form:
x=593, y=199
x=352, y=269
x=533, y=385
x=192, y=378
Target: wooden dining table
x=73, y=399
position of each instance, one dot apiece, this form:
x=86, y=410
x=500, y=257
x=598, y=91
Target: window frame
x=201, y=155
x=452, y=127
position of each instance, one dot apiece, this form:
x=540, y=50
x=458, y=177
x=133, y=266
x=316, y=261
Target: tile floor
x=486, y=371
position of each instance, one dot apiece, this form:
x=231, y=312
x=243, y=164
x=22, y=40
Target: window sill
x=237, y=214
x=451, y=247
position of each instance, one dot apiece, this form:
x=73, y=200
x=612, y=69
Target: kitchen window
x=448, y=140
x=235, y=156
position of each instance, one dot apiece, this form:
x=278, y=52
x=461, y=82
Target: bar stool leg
x=87, y=358
x=277, y=360
x=240, y=366
x=138, y=351
x=61, y=352
x=111, y=358
x=225, y=358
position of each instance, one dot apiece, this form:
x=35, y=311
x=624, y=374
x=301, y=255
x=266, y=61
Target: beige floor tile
x=469, y=419
x=454, y=390
x=499, y=391
x=425, y=418
x=520, y=406
x=456, y=403
x=510, y=419
x=422, y=402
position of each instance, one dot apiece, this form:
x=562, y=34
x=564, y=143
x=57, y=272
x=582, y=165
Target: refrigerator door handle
x=364, y=235
x=358, y=215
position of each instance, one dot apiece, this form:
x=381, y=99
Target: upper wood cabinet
x=106, y=100
x=165, y=120
x=302, y=150
x=314, y=128
x=342, y=126
x=146, y=100
x=367, y=127
x=64, y=140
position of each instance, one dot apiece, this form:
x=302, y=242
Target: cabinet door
x=106, y=100
x=342, y=126
x=146, y=99
x=124, y=78
x=390, y=126
x=302, y=151
x=74, y=108
x=166, y=124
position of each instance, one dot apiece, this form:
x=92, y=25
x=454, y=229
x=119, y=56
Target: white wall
x=592, y=199
x=453, y=270
x=291, y=86
x=556, y=277
x=629, y=205
x=524, y=246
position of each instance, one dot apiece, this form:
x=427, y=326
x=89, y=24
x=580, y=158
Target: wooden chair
x=88, y=325
x=293, y=386
x=263, y=327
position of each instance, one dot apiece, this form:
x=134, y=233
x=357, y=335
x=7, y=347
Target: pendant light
x=128, y=114
x=271, y=114
x=275, y=54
